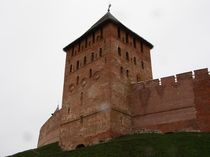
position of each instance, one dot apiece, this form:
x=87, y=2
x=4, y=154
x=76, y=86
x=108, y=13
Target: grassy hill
x=141, y=145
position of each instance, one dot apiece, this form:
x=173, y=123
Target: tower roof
x=108, y=17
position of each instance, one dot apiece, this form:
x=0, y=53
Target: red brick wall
x=49, y=132
x=172, y=104
x=202, y=99
x=166, y=105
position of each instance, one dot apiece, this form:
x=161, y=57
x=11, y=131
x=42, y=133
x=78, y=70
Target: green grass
x=141, y=145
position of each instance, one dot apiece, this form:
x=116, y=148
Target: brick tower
x=109, y=91
x=100, y=65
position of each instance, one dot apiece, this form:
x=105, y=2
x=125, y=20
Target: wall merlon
x=184, y=76
x=168, y=80
x=201, y=73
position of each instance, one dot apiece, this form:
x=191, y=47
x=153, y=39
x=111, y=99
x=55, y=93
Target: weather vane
x=109, y=7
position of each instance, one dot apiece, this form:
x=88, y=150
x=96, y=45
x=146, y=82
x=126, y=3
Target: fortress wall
x=172, y=103
x=86, y=130
x=120, y=123
x=49, y=132
x=202, y=99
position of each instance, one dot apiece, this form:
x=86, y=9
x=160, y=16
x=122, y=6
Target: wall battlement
x=176, y=79
x=172, y=103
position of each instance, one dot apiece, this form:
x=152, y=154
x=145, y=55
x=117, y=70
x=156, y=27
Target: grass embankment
x=142, y=145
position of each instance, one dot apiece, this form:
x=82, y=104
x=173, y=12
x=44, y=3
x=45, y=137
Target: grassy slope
x=143, y=145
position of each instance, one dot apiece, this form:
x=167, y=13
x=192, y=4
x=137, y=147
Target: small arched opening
x=80, y=146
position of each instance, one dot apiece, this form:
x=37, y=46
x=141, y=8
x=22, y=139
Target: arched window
x=134, y=60
x=141, y=46
x=127, y=73
x=86, y=42
x=126, y=37
x=118, y=32
x=72, y=52
x=90, y=73
x=127, y=56
x=77, y=65
x=134, y=42
x=121, y=70
x=100, y=52
x=137, y=78
x=92, y=57
x=101, y=33
x=79, y=47
x=71, y=68
x=85, y=60
x=93, y=37
x=81, y=119
x=80, y=146
x=77, y=80
x=119, y=51
x=81, y=98
x=142, y=64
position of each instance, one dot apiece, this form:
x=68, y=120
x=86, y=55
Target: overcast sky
x=33, y=34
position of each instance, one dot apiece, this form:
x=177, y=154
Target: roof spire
x=109, y=7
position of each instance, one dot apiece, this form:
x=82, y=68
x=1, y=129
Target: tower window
x=142, y=64
x=126, y=37
x=79, y=47
x=134, y=60
x=77, y=65
x=81, y=119
x=71, y=67
x=127, y=73
x=72, y=52
x=137, y=78
x=142, y=46
x=77, y=80
x=100, y=52
x=90, y=73
x=134, y=42
x=85, y=42
x=119, y=51
x=81, y=98
x=101, y=33
x=121, y=70
x=85, y=60
x=93, y=37
x=92, y=57
x=127, y=56
x=118, y=32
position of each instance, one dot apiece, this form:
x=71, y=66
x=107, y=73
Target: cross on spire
x=109, y=7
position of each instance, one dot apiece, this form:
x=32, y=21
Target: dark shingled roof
x=108, y=17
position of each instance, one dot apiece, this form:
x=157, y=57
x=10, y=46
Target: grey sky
x=33, y=33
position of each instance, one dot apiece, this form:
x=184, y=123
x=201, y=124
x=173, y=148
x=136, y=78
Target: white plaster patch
x=92, y=92
x=103, y=106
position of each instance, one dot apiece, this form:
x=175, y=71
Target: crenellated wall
x=172, y=103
